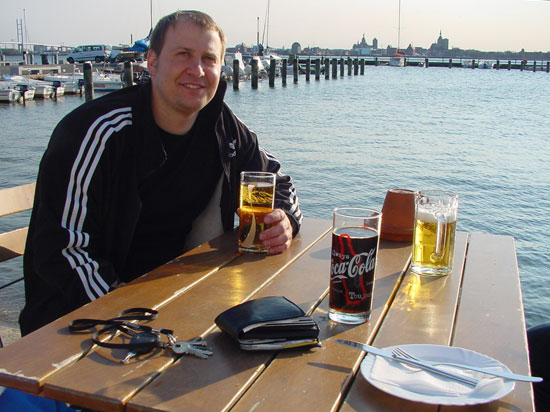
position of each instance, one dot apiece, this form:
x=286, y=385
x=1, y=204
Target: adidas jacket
x=87, y=199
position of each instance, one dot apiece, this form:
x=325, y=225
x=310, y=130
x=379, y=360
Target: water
x=480, y=133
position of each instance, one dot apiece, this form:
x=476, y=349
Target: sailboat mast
x=151, y=12
x=267, y=34
x=399, y=27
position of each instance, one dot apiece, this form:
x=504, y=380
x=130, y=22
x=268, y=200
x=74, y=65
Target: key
x=198, y=348
x=143, y=343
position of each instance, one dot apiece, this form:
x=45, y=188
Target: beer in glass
x=355, y=238
x=257, y=199
x=434, y=233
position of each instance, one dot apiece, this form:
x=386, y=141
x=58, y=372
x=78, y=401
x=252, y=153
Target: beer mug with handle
x=434, y=232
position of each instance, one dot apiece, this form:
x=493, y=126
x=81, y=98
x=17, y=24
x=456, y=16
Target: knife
x=501, y=374
x=379, y=352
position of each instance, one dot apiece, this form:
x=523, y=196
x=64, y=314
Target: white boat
x=397, y=60
x=482, y=64
x=43, y=91
x=102, y=81
x=230, y=57
x=9, y=94
x=72, y=88
x=27, y=92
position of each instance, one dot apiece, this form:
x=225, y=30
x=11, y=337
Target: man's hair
x=199, y=18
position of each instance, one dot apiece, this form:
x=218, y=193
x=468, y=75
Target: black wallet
x=269, y=323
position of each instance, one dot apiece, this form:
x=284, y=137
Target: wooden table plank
x=423, y=311
x=111, y=384
x=316, y=380
x=213, y=385
x=22, y=369
x=491, y=319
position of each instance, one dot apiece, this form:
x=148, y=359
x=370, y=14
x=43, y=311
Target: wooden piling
x=362, y=67
x=534, y=65
x=254, y=74
x=128, y=76
x=334, y=68
x=450, y=63
x=355, y=67
x=283, y=71
x=308, y=69
x=498, y=65
x=522, y=65
x=341, y=63
x=272, y=66
x=509, y=64
x=547, y=67
x=295, y=67
x=327, y=69
x=349, y=66
x=317, y=69
x=88, y=81
x=236, y=74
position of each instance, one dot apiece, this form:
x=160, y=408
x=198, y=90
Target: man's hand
x=279, y=236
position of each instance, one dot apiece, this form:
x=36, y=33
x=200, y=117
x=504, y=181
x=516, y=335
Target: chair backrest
x=14, y=200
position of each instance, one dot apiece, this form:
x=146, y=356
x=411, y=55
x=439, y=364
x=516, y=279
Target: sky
x=488, y=25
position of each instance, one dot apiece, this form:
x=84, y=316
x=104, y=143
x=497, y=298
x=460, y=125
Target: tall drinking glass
x=257, y=199
x=355, y=238
x=434, y=232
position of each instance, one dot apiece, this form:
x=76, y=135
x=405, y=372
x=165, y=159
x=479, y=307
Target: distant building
x=296, y=48
x=375, y=43
x=362, y=48
x=441, y=48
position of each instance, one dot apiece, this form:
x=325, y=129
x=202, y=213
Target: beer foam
x=429, y=214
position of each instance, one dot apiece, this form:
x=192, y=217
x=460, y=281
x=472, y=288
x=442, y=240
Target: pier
x=356, y=65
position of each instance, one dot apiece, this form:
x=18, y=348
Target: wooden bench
x=14, y=200
x=12, y=243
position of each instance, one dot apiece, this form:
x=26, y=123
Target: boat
x=398, y=59
x=230, y=57
x=9, y=94
x=43, y=91
x=27, y=91
x=102, y=81
x=482, y=64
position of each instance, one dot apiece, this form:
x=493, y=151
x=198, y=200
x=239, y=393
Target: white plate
x=400, y=380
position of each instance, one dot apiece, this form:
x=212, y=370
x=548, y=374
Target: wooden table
x=478, y=307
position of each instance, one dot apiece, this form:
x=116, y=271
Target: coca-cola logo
x=358, y=265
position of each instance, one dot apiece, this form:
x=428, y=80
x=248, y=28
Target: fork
x=397, y=351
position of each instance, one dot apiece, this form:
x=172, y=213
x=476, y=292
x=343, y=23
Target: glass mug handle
x=441, y=237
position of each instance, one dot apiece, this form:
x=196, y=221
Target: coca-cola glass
x=355, y=238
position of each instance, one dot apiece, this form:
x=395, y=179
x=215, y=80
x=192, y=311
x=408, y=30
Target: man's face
x=186, y=73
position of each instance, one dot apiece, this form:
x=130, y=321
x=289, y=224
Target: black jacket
x=87, y=200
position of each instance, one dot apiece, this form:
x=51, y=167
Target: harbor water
x=480, y=133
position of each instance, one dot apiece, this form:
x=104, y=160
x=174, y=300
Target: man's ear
x=152, y=62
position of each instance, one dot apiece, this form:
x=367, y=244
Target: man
x=129, y=179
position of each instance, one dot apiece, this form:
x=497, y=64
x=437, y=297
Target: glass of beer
x=434, y=232
x=257, y=199
x=355, y=238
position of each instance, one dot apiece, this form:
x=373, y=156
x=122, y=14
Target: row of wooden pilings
x=355, y=65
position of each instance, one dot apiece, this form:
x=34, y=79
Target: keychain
x=143, y=338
